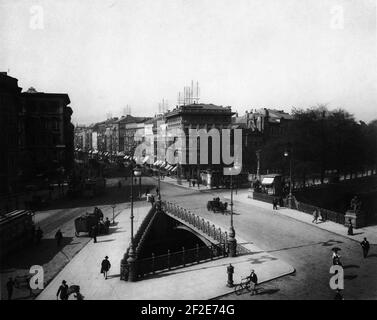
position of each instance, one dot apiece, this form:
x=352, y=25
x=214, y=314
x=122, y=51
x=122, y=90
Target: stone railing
x=196, y=221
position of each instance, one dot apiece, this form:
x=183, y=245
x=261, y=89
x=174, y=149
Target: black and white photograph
x=221, y=152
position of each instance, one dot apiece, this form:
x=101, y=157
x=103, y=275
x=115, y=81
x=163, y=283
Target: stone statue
x=355, y=204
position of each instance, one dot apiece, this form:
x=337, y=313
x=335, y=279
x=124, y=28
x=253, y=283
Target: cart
x=86, y=222
x=216, y=205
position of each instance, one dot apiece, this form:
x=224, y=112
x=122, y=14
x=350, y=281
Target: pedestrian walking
x=253, y=281
x=119, y=184
x=58, y=237
x=10, y=286
x=107, y=224
x=350, y=228
x=321, y=216
x=105, y=267
x=365, y=245
x=62, y=291
x=315, y=216
x=274, y=204
x=95, y=233
x=39, y=235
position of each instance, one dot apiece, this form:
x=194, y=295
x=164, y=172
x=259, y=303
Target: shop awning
x=145, y=159
x=268, y=180
x=174, y=169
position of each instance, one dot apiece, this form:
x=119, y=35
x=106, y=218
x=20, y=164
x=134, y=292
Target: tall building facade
x=46, y=132
x=9, y=138
x=205, y=117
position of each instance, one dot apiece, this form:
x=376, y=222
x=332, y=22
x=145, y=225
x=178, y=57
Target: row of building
x=36, y=135
x=116, y=136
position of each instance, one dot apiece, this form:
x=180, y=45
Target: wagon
x=86, y=222
x=216, y=205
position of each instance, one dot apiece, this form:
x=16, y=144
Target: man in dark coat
x=63, y=291
x=10, y=285
x=253, y=282
x=107, y=225
x=39, y=235
x=58, y=237
x=274, y=204
x=350, y=228
x=95, y=232
x=105, y=266
x=365, y=245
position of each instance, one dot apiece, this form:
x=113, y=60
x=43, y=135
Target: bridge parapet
x=196, y=222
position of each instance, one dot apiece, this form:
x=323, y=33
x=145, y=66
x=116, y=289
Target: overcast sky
x=245, y=53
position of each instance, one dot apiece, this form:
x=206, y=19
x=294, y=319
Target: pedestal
x=232, y=247
x=132, y=271
x=357, y=218
x=124, y=270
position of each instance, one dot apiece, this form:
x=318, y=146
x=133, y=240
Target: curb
x=265, y=281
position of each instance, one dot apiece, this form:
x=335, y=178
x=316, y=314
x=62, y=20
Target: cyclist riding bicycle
x=253, y=281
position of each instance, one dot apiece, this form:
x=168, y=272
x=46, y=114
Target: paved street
x=305, y=247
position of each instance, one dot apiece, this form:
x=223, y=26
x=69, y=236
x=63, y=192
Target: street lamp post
x=232, y=242
x=113, y=206
x=130, y=262
x=140, y=186
x=159, y=185
x=258, y=164
x=288, y=153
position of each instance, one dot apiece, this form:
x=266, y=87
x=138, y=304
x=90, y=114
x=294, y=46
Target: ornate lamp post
x=130, y=262
x=232, y=242
x=113, y=206
x=288, y=153
x=258, y=164
x=159, y=185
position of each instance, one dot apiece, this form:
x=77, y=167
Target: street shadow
x=355, y=234
x=109, y=240
x=372, y=256
x=34, y=254
x=328, y=243
x=331, y=242
x=117, y=231
x=267, y=291
x=261, y=259
x=113, y=276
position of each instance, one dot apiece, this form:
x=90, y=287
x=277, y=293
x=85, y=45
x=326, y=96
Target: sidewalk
x=200, y=281
x=369, y=232
x=184, y=183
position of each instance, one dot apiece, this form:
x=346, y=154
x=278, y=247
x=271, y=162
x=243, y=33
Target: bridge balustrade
x=196, y=222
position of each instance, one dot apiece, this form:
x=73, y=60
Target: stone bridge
x=170, y=237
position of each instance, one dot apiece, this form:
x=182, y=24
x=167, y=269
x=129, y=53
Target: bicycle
x=243, y=286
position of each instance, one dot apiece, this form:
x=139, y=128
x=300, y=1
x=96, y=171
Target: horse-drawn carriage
x=216, y=205
x=87, y=222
